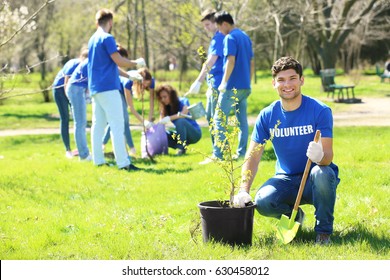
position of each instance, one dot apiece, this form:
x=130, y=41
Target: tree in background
x=320, y=33
x=333, y=22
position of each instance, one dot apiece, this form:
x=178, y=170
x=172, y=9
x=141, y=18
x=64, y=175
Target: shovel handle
x=305, y=174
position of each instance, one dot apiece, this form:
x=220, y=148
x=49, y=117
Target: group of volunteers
x=291, y=121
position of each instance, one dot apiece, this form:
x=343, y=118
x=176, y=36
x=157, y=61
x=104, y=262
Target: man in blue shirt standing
x=292, y=122
x=104, y=86
x=212, y=68
x=235, y=86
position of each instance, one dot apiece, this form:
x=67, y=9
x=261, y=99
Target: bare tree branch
x=27, y=21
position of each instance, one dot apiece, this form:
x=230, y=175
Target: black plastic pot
x=224, y=224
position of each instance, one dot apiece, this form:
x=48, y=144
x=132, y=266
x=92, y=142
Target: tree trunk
x=146, y=46
x=314, y=60
x=128, y=28
x=183, y=68
x=329, y=55
x=135, y=29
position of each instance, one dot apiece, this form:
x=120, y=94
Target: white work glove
x=315, y=151
x=165, y=120
x=140, y=62
x=222, y=87
x=148, y=124
x=195, y=87
x=134, y=75
x=241, y=199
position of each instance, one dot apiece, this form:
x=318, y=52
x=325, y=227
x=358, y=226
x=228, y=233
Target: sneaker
x=69, y=154
x=88, y=158
x=208, y=160
x=130, y=167
x=180, y=152
x=237, y=157
x=300, y=218
x=323, y=239
x=132, y=152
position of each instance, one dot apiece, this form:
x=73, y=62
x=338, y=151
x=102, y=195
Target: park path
x=371, y=112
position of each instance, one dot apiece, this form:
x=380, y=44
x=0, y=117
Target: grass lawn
x=55, y=208
x=59, y=209
x=30, y=111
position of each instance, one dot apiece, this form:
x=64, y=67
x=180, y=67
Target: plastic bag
x=156, y=141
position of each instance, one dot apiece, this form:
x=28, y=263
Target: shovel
x=288, y=227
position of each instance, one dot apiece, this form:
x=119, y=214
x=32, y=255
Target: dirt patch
x=371, y=112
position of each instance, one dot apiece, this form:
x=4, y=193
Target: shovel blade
x=287, y=228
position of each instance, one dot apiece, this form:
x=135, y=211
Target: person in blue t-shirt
x=62, y=100
x=76, y=90
x=104, y=86
x=172, y=108
x=293, y=121
x=235, y=86
x=212, y=68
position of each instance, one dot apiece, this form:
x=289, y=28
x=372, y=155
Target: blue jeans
x=129, y=139
x=187, y=132
x=277, y=196
x=225, y=102
x=76, y=96
x=212, y=98
x=63, y=108
x=106, y=108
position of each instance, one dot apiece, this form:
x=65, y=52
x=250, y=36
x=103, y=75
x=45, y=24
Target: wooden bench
x=329, y=86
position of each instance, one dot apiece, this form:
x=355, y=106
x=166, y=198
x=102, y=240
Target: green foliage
x=55, y=208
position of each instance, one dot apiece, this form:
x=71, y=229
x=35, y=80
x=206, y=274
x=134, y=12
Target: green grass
x=55, y=208
x=30, y=111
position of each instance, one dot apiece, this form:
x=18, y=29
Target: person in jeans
x=291, y=123
x=235, y=86
x=62, y=100
x=147, y=83
x=212, y=68
x=172, y=108
x=76, y=91
x=104, y=86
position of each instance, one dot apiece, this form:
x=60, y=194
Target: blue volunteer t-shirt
x=184, y=102
x=103, y=73
x=66, y=70
x=125, y=84
x=216, y=72
x=297, y=128
x=80, y=75
x=237, y=43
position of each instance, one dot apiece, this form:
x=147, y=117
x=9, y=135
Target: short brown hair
x=285, y=63
x=103, y=16
x=208, y=15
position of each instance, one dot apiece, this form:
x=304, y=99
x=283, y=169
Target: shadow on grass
x=48, y=117
x=152, y=165
x=354, y=234
x=359, y=233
